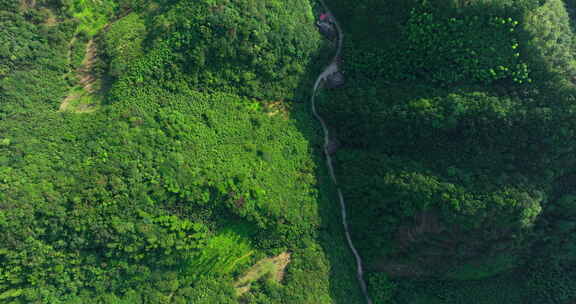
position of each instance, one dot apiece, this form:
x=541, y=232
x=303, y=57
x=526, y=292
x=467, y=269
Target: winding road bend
x=329, y=70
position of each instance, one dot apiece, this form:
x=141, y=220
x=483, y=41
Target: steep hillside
x=457, y=126
x=163, y=151
x=188, y=179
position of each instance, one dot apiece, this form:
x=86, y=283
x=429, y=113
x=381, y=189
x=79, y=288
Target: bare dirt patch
x=85, y=72
x=275, y=266
x=50, y=17
x=25, y=5
x=275, y=108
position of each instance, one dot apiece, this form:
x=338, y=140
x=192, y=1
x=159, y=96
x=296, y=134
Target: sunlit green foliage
x=123, y=42
x=252, y=48
x=457, y=123
x=167, y=193
x=31, y=64
x=92, y=15
x=552, y=40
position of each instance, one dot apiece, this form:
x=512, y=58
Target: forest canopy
x=164, y=151
x=150, y=152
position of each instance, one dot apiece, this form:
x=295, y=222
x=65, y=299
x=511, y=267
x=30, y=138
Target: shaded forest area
x=196, y=170
x=457, y=126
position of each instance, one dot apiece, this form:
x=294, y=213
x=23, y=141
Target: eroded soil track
x=85, y=75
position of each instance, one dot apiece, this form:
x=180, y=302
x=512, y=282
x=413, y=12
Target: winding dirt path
x=331, y=69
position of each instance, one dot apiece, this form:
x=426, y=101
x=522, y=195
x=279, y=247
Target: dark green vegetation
x=458, y=124
x=186, y=176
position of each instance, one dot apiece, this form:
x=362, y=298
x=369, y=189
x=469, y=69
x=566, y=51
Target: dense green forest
x=163, y=151
x=183, y=166
x=457, y=126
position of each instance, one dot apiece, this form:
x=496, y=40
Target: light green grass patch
x=81, y=101
x=93, y=15
x=227, y=250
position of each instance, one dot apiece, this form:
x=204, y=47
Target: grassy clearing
x=227, y=250
x=81, y=101
x=88, y=95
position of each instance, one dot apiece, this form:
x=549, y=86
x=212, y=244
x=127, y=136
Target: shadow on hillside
x=344, y=287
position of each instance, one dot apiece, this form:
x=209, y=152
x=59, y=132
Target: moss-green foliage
x=550, y=282
x=200, y=172
x=250, y=137
x=390, y=192
x=552, y=40
x=173, y=166
x=32, y=59
x=486, y=268
x=491, y=291
x=17, y=52
x=123, y=42
x=77, y=54
x=222, y=254
x=436, y=42
x=92, y=15
x=251, y=48
x=546, y=282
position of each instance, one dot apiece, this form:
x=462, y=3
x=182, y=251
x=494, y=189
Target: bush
x=381, y=288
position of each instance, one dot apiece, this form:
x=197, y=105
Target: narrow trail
x=87, y=80
x=331, y=69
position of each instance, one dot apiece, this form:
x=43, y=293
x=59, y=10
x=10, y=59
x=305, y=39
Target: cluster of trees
x=33, y=59
x=123, y=43
x=457, y=124
x=257, y=49
x=447, y=48
x=546, y=281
